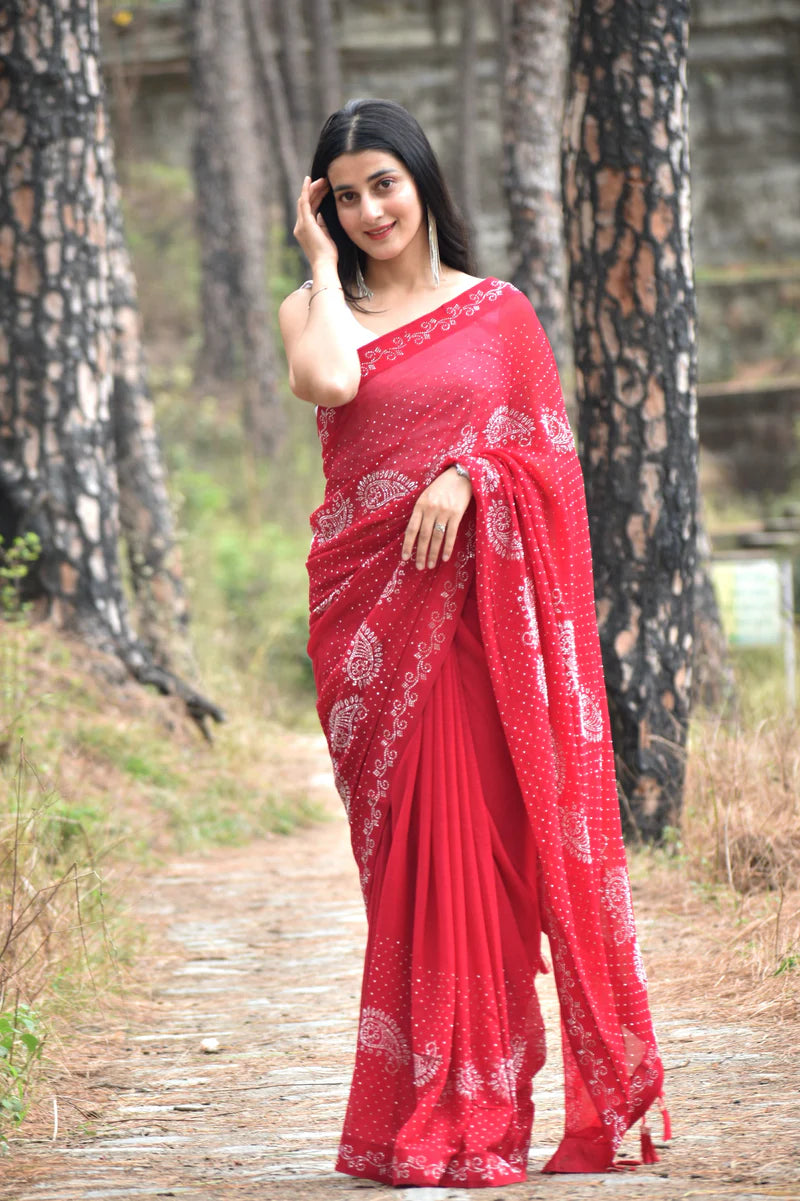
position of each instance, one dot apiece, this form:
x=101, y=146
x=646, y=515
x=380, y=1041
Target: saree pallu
x=465, y=714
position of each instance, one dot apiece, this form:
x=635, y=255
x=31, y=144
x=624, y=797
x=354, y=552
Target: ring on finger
x=439, y=527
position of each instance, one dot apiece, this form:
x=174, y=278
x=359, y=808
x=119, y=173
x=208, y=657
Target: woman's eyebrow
x=348, y=187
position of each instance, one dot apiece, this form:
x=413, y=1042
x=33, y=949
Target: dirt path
x=260, y=948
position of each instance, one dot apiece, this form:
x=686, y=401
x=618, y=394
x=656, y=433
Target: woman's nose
x=370, y=207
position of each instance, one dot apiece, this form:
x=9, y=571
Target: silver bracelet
x=324, y=288
x=461, y=470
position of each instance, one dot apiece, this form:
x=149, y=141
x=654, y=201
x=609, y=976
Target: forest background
x=104, y=777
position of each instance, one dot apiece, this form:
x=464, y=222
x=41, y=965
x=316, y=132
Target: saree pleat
x=454, y=943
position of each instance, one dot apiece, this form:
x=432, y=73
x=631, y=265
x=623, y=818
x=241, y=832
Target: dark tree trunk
x=536, y=52
x=283, y=135
x=297, y=78
x=466, y=92
x=626, y=191
x=326, y=59
x=231, y=154
x=162, y=615
x=79, y=460
x=218, y=283
x=435, y=11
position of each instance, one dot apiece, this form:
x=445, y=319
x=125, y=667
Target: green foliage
x=21, y=1043
x=760, y=682
x=130, y=751
x=158, y=208
x=244, y=543
x=15, y=562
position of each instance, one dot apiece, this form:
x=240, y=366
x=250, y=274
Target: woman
x=460, y=687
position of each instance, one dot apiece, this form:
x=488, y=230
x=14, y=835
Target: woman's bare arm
x=320, y=345
x=316, y=326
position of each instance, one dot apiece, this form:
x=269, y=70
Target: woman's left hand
x=436, y=517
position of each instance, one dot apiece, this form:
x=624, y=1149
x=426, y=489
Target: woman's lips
x=384, y=230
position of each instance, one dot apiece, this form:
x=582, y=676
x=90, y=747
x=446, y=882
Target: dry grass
x=56, y=952
x=741, y=842
x=101, y=780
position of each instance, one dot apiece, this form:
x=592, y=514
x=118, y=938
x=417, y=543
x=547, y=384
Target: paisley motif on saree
x=450, y=1034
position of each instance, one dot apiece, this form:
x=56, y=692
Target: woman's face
x=376, y=201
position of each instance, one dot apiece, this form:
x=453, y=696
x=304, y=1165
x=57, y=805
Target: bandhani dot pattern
x=465, y=714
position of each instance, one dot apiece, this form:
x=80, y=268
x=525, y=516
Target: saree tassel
x=649, y=1154
x=662, y=1105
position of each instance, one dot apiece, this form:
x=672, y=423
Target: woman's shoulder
x=297, y=301
x=293, y=312
x=494, y=285
x=504, y=287
x=517, y=308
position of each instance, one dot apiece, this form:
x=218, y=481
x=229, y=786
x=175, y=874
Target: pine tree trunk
x=231, y=159
x=218, y=284
x=297, y=78
x=326, y=59
x=283, y=135
x=146, y=522
x=535, y=53
x=467, y=91
x=626, y=191
x=79, y=461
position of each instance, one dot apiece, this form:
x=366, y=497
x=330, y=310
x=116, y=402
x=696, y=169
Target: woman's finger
x=426, y=531
x=317, y=192
x=450, y=537
x=302, y=199
x=440, y=528
x=412, y=529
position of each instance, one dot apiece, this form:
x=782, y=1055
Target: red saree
x=465, y=713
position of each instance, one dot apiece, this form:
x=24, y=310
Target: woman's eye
x=346, y=197
x=385, y=184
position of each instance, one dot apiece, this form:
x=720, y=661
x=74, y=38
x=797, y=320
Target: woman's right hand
x=310, y=229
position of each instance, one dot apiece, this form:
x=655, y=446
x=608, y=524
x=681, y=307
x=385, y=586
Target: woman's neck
x=406, y=275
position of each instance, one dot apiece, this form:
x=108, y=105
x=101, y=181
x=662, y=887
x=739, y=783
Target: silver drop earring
x=433, y=247
x=364, y=292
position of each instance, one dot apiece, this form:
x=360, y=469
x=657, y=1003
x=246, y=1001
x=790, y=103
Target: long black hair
x=385, y=125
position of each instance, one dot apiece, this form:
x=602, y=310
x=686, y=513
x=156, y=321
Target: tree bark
x=231, y=156
x=79, y=461
x=218, y=284
x=297, y=77
x=467, y=107
x=146, y=522
x=626, y=190
x=280, y=118
x=326, y=59
x=536, y=53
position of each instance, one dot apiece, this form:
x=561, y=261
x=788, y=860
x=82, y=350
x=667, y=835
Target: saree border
x=388, y=348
